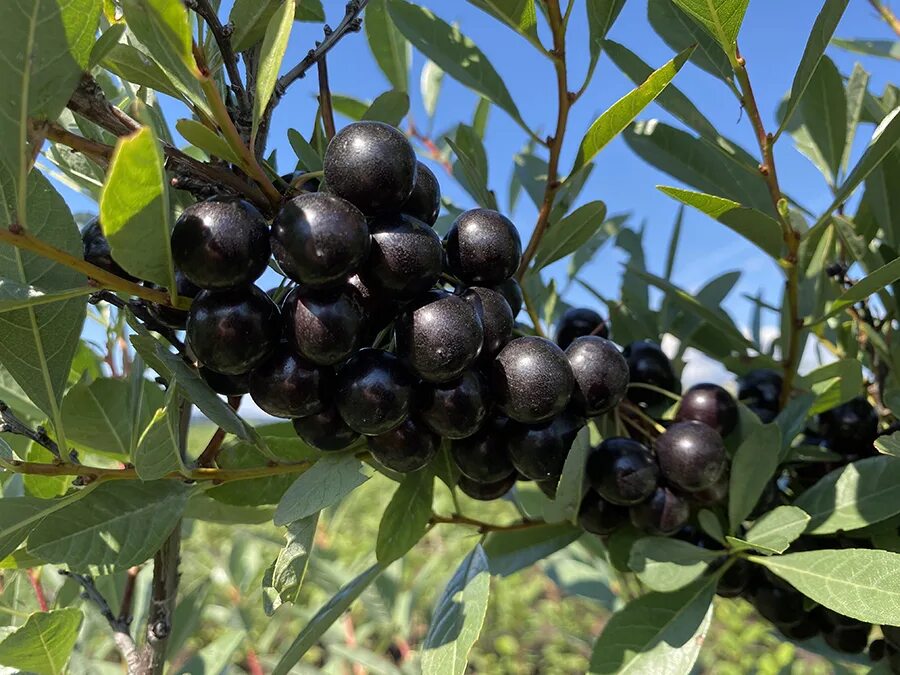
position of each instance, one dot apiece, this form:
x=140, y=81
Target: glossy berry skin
x=760, y=390
x=781, y=605
x=716, y=493
x=406, y=257
x=221, y=243
x=176, y=319
x=373, y=392
x=532, y=380
x=409, y=447
x=286, y=385
x=710, y=404
x=807, y=628
x=454, y=409
x=539, y=451
x=483, y=247
x=486, y=492
x=324, y=326
x=233, y=331
x=227, y=385
x=425, y=201
x=851, y=427
x=319, y=239
x=598, y=516
x=579, y=322
x=372, y=165
x=663, y=514
x=735, y=580
x=496, y=318
x=308, y=185
x=325, y=430
x=439, y=336
x=647, y=364
x=511, y=290
x=622, y=471
x=691, y=455
x=848, y=640
x=483, y=457
x=601, y=375
x=97, y=251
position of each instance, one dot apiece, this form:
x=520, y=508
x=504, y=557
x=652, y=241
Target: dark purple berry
x=324, y=326
x=496, y=318
x=622, y=470
x=647, y=364
x=425, y=201
x=511, y=290
x=286, y=385
x=599, y=516
x=97, y=251
x=454, y=409
x=483, y=247
x=407, y=448
x=325, y=430
x=532, y=380
x=663, y=514
x=227, y=385
x=406, y=257
x=601, y=375
x=710, y=404
x=850, y=428
x=760, y=390
x=539, y=451
x=483, y=456
x=373, y=392
x=691, y=455
x=486, y=492
x=579, y=322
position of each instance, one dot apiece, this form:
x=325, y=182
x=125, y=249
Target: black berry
x=406, y=257
x=325, y=430
x=710, y=404
x=496, y=318
x=286, y=385
x=425, y=201
x=176, y=319
x=97, y=251
x=486, y=492
x=599, y=516
x=483, y=247
x=735, y=580
x=227, y=385
x=663, y=514
x=691, y=455
x=532, y=380
x=579, y=322
x=539, y=451
x=483, y=456
x=511, y=290
x=760, y=390
x=373, y=392
x=781, y=605
x=409, y=447
x=601, y=375
x=622, y=470
x=647, y=364
x=454, y=409
x=324, y=326
x=850, y=428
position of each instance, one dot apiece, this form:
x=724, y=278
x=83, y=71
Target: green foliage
x=43, y=644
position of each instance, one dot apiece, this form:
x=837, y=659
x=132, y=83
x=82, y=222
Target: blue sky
x=772, y=40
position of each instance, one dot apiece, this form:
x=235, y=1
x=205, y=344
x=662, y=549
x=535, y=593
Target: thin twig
x=483, y=526
x=39, y=594
x=140, y=311
x=325, y=99
x=887, y=15
x=11, y=424
x=214, y=447
x=222, y=36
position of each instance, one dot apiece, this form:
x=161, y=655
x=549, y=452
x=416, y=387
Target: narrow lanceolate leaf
x=776, y=530
x=889, y=49
x=405, y=519
x=201, y=136
x=273, y=48
x=120, y=524
x=824, y=109
x=44, y=643
x=328, y=481
x=680, y=31
x=158, y=451
x=430, y=85
x=601, y=14
x=666, y=565
x=570, y=233
x=250, y=18
x=37, y=344
x=509, y=552
x=752, y=468
x=471, y=167
x=863, y=584
x=324, y=618
x=134, y=209
x=856, y=495
x=519, y=15
x=44, y=47
x=857, y=88
x=134, y=66
x=389, y=47
x=721, y=18
x=283, y=580
x=869, y=284
x=755, y=226
x=659, y=633
x=456, y=54
x=15, y=296
x=389, y=107
x=458, y=617
x=621, y=113
x=570, y=489
x=307, y=156
x=827, y=20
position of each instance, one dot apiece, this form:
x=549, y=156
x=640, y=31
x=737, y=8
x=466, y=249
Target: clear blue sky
x=772, y=40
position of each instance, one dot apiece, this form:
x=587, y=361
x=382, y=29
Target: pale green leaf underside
x=44, y=643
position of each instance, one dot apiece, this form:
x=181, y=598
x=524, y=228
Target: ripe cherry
x=325, y=430
x=599, y=516
x=454, y=409
x=622, y=471
x=663, y=514
x=496, y=318
x=648, y=364
x=439, y=336
x=483, y=247
x=425, y=201
x=97, y=250
x=373, y=392
x=324, y=326
x=691, y=455
x=176, y=319
x=406, y=257
x=579, y=322
x=601, y=375
x=221, y=243
x=532, y=380
x=851, y=427
x=710, y=404
x=233, y=331
x=227, y=385
x=483, y=456
x=286, y=385
x=409, y=447
x=372, y=165
x=486, y=492
x=319, y=239
x=539, y=451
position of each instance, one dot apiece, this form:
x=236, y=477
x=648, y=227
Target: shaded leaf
x=201, y=136
x=509, y=552
x=389, y=47
x=862, y=289
x=601, y=14
x=158, y=451
x=283, y=580
x=308, y=157
x=666, y=565
x=430, y=85
x=250, y=19
x=327, y=482
x=679, y=31
x=570, y=489
x=274, y=45
x=824, y=109
x=43, y=643
x=752, y=469
x=722, y=18
x=97, y=417
x=570, y=233
x=15, y=296
x=390, y=107
x=889, y=49
x=134, y=66
x=517, y=14
x=405, y=518
x=471, y=166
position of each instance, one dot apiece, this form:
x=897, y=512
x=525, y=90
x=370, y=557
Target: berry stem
x=223, y=40
x=653, y=387
x=532, y=313
x=886, y=14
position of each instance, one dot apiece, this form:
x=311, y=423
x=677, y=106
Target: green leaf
x=858, y=494
x=757, y=227
x=283, y=580
x=15, y=296
x=120, y=524
x=350, y=107
x=610, y=228
x=201, y=136
x=570, y=489
x=777, y=529
x=105, y=43
x=517, y=14
x=158, y=451
x=509, y=552
x=270, y=56
x=889, y=49
x=621, y=113
x=827, y=20
x=570, y=233
x=134, y=209
x=679, y=32
x=97, y=417
x=471, y=167
x=250, y=19
x=324, y=618
x=327, y=482
x=834, y=384
x=389, y=107
x=752, y=469
x=259, y=491
x=889, y=445
x=44, y=643
x=862, y=289
x=458, y=617
x=430, y=85
x=310, y=11
x=18, y=516
x=659, y=633
x=709, y=523
x=666, y=565
x=857, y=88
x=37, y=344
x=216, y=656
x=824, y=109
x=405, y=519
x=860, y=583
x=456, y=54
x=721, y=18
x=601, y=15
x=308, y=157
x=389, y=47
x=134, y=66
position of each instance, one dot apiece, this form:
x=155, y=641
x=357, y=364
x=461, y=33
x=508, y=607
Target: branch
x=565, y=100
x=39, y=595
x=887, y=15
x=222, y=35
x=209, y=454
x=11, y=424
x=483, y=526
x=164, y=589
x=121, y=625
x=139, y=309
x=325, y=97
